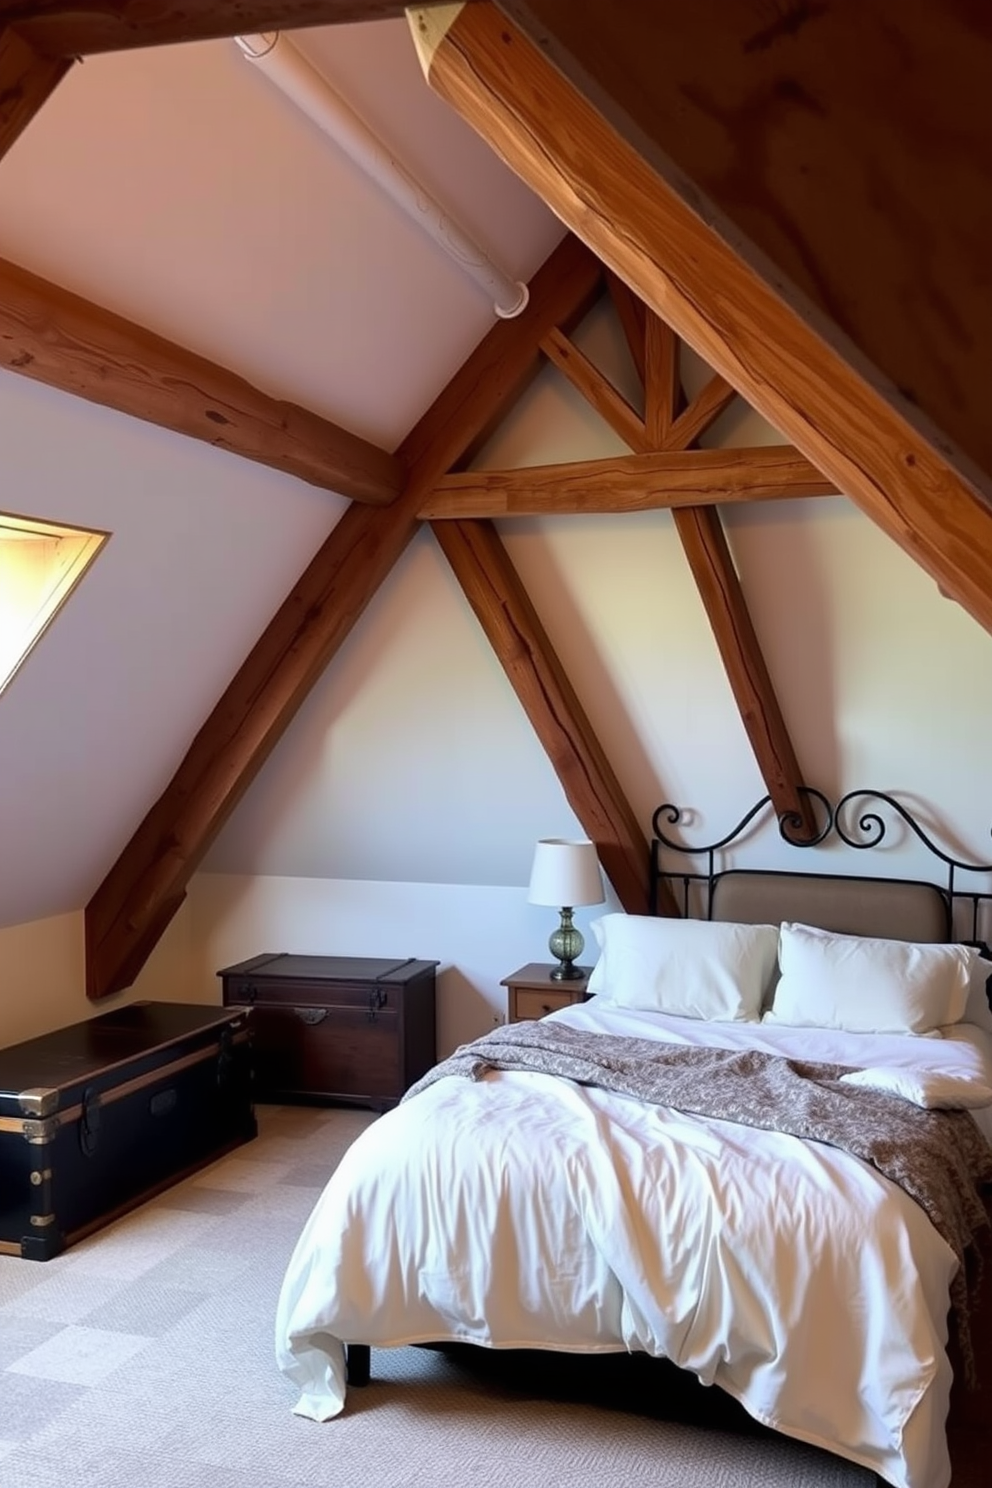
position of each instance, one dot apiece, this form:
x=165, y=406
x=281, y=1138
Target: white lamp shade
x=565, y=873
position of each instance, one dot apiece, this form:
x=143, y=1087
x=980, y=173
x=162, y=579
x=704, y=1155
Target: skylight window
x=40, y=565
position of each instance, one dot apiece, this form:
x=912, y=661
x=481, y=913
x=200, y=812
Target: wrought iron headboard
x=850, y=821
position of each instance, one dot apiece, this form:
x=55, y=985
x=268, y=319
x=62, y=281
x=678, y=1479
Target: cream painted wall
x=43, y=970
x=43, y=976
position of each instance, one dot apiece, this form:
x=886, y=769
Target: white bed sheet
x=526, y=1211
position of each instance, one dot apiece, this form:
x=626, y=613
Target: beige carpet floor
x=143, y=1358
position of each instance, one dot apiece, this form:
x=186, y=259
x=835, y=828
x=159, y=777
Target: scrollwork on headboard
x=854, y=821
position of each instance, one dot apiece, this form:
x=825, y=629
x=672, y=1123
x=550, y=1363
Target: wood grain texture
x=686, y=482
x=661, y=379
x=26, y=81
x=628, y=483
x=85, y=26
x=594, y=387
x=844, y=146
x=144, y=888
x=705, y=408
x=506, y=614
x=816, y=391
x=129, y=911
x=60, y=339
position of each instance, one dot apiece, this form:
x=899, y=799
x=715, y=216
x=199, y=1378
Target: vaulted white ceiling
x=179, y=188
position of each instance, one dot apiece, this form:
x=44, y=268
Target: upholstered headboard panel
x=893, y=909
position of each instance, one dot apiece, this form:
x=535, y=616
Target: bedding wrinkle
x=937, y=1157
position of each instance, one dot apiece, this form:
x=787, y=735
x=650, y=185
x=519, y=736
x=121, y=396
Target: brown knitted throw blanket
x=940, y=1158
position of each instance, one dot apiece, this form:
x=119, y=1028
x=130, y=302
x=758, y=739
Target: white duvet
x=524, y=1210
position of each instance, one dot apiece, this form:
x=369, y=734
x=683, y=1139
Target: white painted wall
x=412, y=759
x=477, y=934
x=414, y=751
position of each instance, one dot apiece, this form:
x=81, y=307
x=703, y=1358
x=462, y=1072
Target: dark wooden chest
x=97, y=1117
x=336, y=1028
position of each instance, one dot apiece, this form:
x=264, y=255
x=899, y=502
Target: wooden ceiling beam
x=63, y=340
x=683, y=482
x=661, y=380
x=82, y=27
x=690, y=482
x=27, y=79
x=738, y=314
x=629, y=483
x=594, y=387
x=132, y=907
x=493, y=589
x=705, y=408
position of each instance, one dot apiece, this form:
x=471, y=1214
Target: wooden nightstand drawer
x=525, y=1003
x=531, y=992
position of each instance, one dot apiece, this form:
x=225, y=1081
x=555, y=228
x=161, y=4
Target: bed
x=515, y=1201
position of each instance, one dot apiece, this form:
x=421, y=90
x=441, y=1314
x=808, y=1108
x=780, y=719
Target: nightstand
x=531, y=993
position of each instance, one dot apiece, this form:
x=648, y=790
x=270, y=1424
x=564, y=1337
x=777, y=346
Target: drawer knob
x=311, y=1016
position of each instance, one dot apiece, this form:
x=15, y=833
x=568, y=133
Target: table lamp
x=565, y=874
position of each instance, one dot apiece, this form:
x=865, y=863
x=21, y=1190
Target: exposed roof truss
x=606, y=182
x=145, y=887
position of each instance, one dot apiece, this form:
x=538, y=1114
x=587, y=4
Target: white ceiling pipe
x=300, y=81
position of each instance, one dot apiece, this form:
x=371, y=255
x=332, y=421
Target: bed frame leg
x=359, y=1361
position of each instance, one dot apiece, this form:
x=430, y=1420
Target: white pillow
x=863, y=985
x=928, y=1088
x=691, y=968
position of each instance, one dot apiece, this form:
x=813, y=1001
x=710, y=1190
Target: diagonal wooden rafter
x=587, y=379
x=147, y=884
x=677, y=434
x=661, y=380
x=61, y=339
x=687, y=481
x=506, y=614
x=705, y=408
x=625, y=483
x=866, y=206
x=705, y=545
x=27, y=79
x=668, y=474
x=737, y=314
